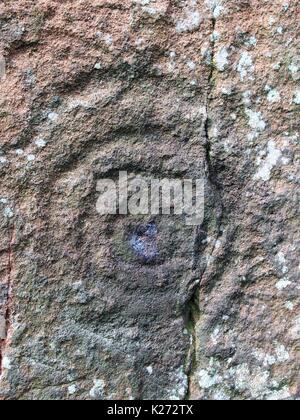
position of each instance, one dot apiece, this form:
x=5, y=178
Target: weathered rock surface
x=158, y=88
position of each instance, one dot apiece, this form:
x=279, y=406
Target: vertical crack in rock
x=8, y=304
x=210, y=167
x=193, y=305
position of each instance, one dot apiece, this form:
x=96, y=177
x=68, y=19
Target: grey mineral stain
x=144, y=242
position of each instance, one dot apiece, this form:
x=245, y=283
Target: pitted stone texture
x=103, y=307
